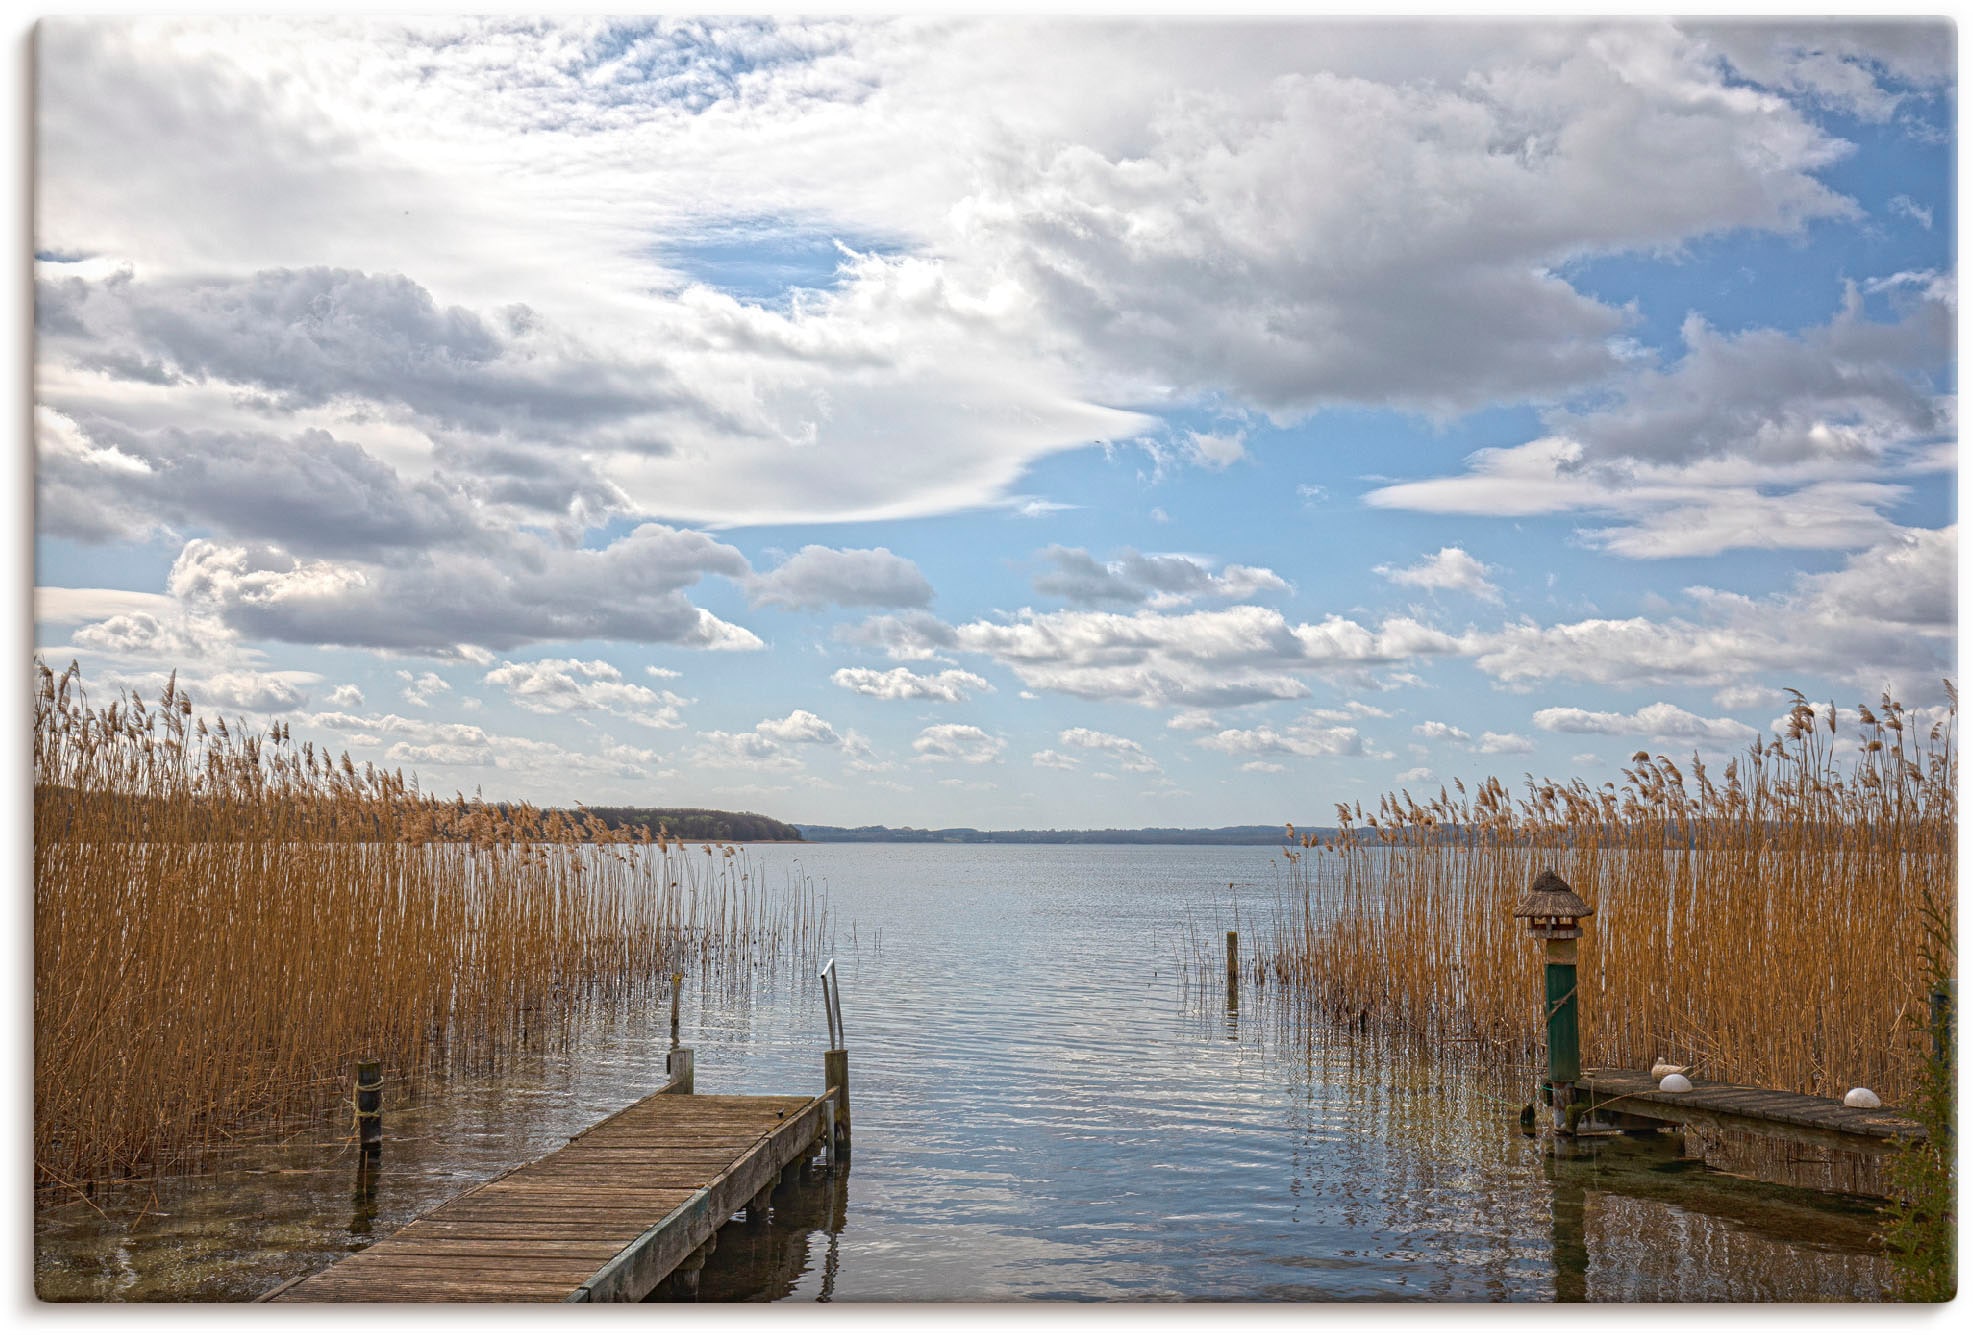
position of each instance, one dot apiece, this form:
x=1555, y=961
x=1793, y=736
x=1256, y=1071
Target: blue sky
x=998, y=422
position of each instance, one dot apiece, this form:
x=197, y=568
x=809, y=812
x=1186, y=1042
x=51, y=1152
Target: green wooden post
x=1553, y=912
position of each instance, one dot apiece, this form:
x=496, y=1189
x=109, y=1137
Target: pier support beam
x=678, y=1066
x=370, y=1107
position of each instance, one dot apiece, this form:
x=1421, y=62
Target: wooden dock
x=604, y=1219
x=1793, y=1140
x=1717, y=1106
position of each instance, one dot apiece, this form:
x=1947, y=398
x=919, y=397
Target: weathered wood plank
x=1762, y=1111
x=604, y=1218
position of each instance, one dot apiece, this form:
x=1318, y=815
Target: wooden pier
x=606, y=1218
x=1772, y=1135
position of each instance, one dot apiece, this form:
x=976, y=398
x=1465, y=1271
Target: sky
x=997, y=422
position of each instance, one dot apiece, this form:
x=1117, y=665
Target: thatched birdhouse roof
x=1551, y=897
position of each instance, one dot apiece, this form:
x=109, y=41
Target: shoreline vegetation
x=225, y=921
x=1779, y=927
x=884, y=834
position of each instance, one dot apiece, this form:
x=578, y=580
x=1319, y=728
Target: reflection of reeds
x=1767, y=927
x=223, y=921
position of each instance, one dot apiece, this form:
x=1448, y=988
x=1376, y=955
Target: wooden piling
x=835, y=1075
x=678, y=1065
x=370, y=1106
x=1233, y=961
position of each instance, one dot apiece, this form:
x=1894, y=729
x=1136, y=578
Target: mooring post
x=370, y=1106
x=1945, y=1020
x=835, y=1075
x=678, y=1066
x=1554, y=913
x=1233, y=961
x=677, y=980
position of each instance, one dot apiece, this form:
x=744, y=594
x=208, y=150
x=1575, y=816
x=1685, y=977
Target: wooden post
x=1233, y=961
x=1554, y=914
x=678, y=1065
x=1564, y=1039
x=370, y=1106
x=1945, y=1021
x=677, y=980
x=835, y=1075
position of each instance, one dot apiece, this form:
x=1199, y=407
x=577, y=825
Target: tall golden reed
x=224, y=921
x=1768, y=928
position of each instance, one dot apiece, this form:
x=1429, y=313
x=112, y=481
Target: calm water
x=1044, y=1110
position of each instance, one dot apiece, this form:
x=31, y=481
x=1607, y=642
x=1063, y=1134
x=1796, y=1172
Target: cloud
x=1886, y=616
x=421, y=689
x=1757, y=439
x=909, y=636
x=1504, y=744
x=1451, y=568
x=820, y=576
x=961, y=742
x=1433, y=730
x=952, y=686
x=570, y=685
x=1865, y=68
x=346, y=696
x=1052, y=759
x=1134, y=578
x=523, y=590
x=1307, y=736
x=1419, y=774
x=771, y=744
x=1216, y=450
x=1129, y=755
x=1238, y=655
x=1661, y=720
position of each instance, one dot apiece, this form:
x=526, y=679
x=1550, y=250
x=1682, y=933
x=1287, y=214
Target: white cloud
x=1306, y=736
x=1216, y=450
x=1263, y=767
x=1436, y=731
x=1238, y=655
x=1886, y=616
x=820, y=576
x=422, y=688
x=347, y=696
x=1659, y=720
x=1052, y=759
x=570, y=685
x=1504, y=744
x=772, y=743
x=1134, y=578
x=1418, y=774
x=1451, y=568
x=1759, y=439
x=960, y=742
x=908, y=636
x=1129, y=755
x=952, y=686
x=1192, y=720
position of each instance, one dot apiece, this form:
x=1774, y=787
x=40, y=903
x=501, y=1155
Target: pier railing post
x=370, y=1106
x=678, y=1066
x=835, y=1075
x=1554, y=913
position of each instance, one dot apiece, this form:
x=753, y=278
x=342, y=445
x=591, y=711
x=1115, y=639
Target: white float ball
x=1675, y=1084
x=1861, y=1098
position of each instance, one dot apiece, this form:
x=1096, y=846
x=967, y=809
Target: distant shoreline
x=1228, y=835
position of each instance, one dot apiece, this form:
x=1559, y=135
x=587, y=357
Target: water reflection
x=771, y=1258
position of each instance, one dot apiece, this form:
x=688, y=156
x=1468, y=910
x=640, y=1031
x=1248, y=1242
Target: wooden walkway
x=604, y=1219
x=1744, y=1109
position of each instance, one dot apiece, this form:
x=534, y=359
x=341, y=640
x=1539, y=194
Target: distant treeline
x=884, y=834
x=699, y=823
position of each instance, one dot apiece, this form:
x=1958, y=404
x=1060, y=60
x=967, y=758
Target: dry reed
x=1768, y=928
x=225, y=920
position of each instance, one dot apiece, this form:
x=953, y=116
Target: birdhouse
x=1552, y=909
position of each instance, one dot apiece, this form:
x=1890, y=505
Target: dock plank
x=1745, y=1108
x=605, y=1218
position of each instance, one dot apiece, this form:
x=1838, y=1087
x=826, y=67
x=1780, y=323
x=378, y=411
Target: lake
x=1045, y=1108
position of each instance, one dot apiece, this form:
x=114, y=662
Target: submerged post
x=1554, y=913
x=1233, y=961
x=370, y=1106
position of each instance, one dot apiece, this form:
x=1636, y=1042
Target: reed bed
x=225, y=921
x=1768, y=928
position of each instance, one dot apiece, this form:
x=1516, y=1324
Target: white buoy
x=1861, y=1098
x=1665, y=1068
x=1675, y=1084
